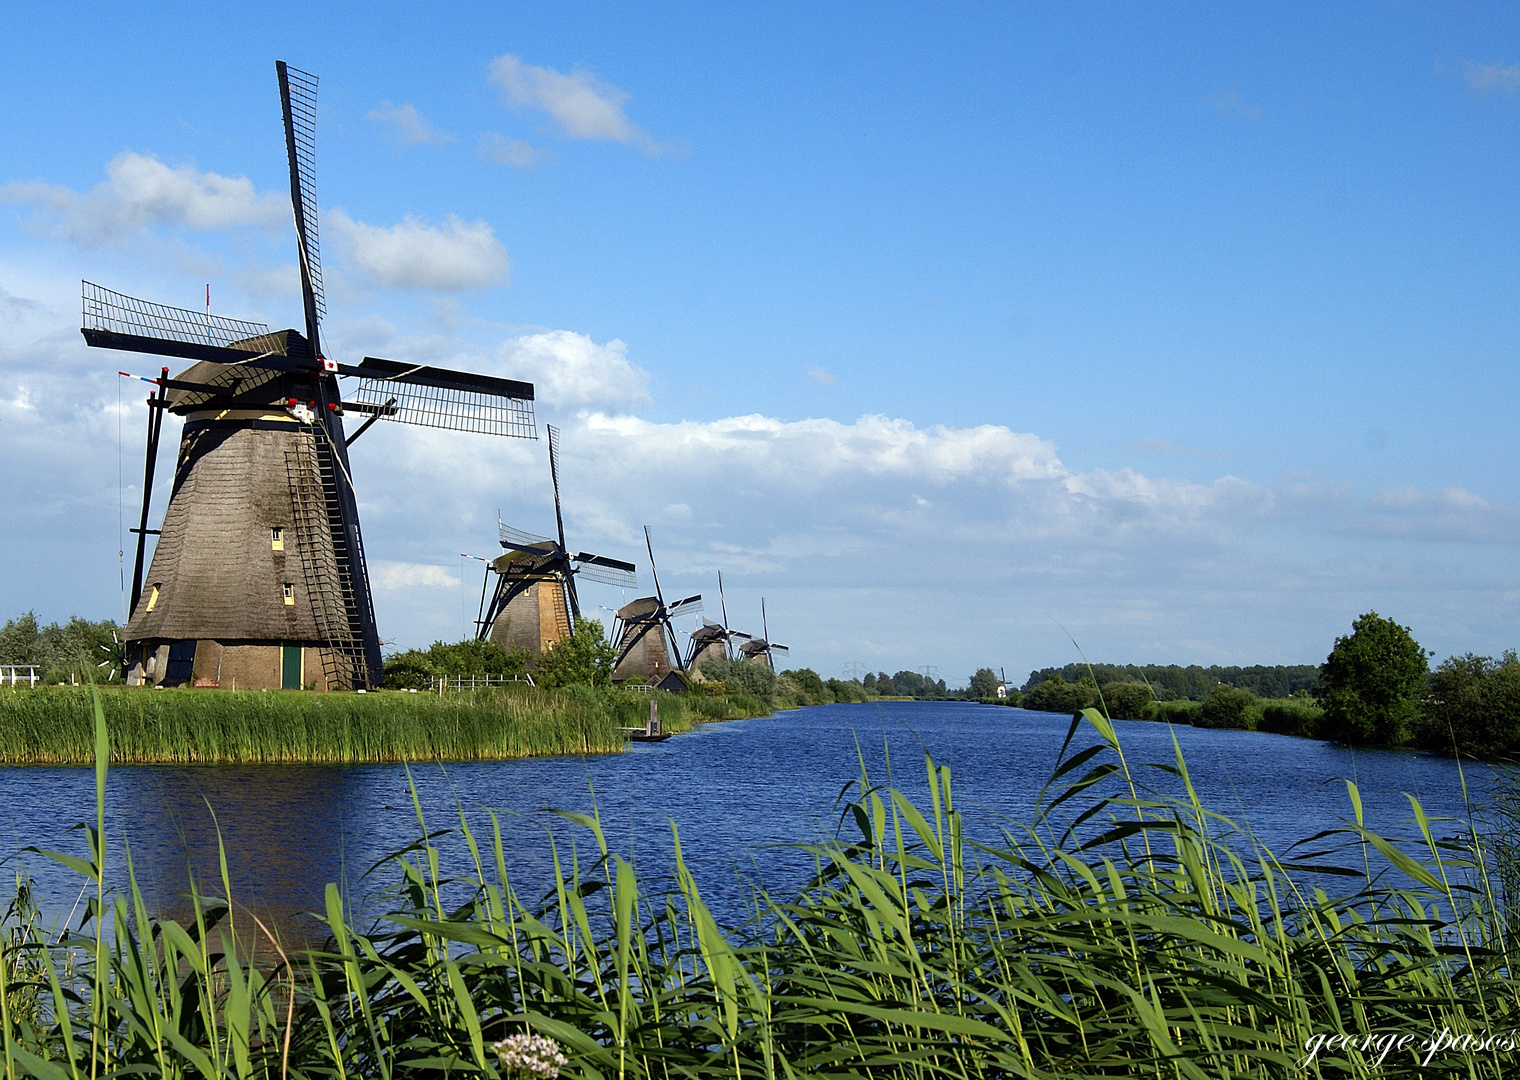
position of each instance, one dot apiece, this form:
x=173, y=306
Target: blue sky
x=1189, y=331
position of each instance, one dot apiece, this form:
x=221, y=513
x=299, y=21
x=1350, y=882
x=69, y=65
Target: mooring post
x=654, y=717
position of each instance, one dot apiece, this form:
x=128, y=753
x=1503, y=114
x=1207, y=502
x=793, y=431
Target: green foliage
x=982, y=685
x=908, y=684
x=78, y=648
x=1057, y=695
x=586, y=657
x=743, y=676
x=1291, y=716
x=813, y=691
x=414, y=669
x=1171, y=682
x=848, y=691
x=1127, y=700
x=1473, y=707
x=1371, y=683
x=1179, y=711
x=911, y=953
x=1228, y=707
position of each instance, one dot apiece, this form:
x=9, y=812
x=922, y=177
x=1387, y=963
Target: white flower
x=530, y=1056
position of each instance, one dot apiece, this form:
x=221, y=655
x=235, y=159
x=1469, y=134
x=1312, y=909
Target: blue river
x=740, y=793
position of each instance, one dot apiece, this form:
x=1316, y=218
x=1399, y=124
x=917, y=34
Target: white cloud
x=406, y=125
x=413, y=254
x=571, y=371
x=139, y=191
x=1487, y=78
x=1229, y=103
x=581, y=105
x=501, y=150
x=393, y=576
x=819, y=375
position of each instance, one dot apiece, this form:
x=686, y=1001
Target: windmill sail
x=298, y=99
x=440, y=398
x=599, y=568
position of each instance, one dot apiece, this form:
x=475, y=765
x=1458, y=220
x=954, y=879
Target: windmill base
x=231, y=665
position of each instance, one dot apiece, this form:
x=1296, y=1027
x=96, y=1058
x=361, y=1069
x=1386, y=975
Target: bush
x=1228, y=707
x=1127, y=700
x=1473, y=707
x=743, y=676
x=79, y=648
x=1371, y=683
x=1180, y=711
x=811, y=688
x=1057, y=695
x=849, y=691
x=414, y=669
x=1290, y=717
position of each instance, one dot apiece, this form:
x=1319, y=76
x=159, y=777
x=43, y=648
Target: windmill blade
x=739, y=634
x=441, y=398
x=607, y=571
x=692, y=605
x=517, y=538
x=298, y=100
x=559, y=521
x=113, y=320
x=778, y=648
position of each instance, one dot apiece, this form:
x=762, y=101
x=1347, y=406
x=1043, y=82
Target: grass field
x=54, y=725
x=1154, y=942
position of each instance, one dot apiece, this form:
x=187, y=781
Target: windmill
x=258, y=579
x=641, y=629
x=712, y=641
x=535, y=604
x=762, y=650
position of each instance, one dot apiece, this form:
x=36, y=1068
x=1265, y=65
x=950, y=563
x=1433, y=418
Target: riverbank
x=54, y=725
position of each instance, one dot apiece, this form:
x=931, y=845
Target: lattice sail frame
x=449, y=408
x=303, y=122
x=117, y=313
x=615, y=576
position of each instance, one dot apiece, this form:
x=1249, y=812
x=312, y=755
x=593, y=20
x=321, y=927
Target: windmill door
x=290, y=667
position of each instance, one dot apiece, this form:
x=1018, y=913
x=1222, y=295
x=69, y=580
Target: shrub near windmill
x=258, y=580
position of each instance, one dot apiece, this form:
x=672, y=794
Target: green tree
x=744, y=676
x=1371, y=683
x=1127, y=700
x=1473, y=707
x=984, y=684
x=811, y=685
x=1228, y=707
x=586, y=658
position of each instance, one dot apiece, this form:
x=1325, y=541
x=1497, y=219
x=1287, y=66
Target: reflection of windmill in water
x=762, y=650
x=258, y=579
x=713, y=641
x=643, y=635
x=535, y=603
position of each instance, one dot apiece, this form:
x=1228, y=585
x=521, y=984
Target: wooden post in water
x=654, y=717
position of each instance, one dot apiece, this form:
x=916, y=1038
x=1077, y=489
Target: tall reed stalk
x=1125, y=931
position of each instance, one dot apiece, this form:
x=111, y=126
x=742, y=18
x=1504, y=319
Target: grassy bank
x=1157, y=944
x=54, y=725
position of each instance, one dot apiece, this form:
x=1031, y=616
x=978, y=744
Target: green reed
x=1121, y=932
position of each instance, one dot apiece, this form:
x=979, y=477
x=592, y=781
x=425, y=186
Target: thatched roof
x=640, y=641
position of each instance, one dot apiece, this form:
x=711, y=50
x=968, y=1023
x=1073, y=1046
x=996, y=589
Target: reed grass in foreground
x=1143, y=943
x=54, y=725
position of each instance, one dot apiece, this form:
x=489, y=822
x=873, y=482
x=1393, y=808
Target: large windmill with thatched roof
x=644, y=636
x=535, y=602
x=713, y=641
x=258, y=579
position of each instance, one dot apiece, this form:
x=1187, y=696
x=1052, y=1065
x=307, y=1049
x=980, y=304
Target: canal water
x=739, y=792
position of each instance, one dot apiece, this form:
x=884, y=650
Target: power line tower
x=930, y=672
x=855, y=670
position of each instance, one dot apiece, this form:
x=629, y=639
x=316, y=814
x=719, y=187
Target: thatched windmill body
x=535, y=602
x=258, y=579
x=644, y=636
x=713, y=641
x=762, y=650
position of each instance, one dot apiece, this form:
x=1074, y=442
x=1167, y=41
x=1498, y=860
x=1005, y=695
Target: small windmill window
x=290, y=594
x=153, y=598
x=277, y=539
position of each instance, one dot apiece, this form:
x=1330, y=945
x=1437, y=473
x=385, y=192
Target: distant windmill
x=762, y=650
x=643, y=635
x=258, y=579
x=713, y=641
x=535, y=603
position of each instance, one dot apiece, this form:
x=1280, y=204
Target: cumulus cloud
x=413, y=254
x=406, y=125
x=571, y=371
x=820, y=375
x=139, y=191
x=1489, y=78
x=501, y=150
x=580, y=104
x=1452, y=513
x=393, y=576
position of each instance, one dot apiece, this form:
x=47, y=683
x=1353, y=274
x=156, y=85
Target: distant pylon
x=854, y=670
